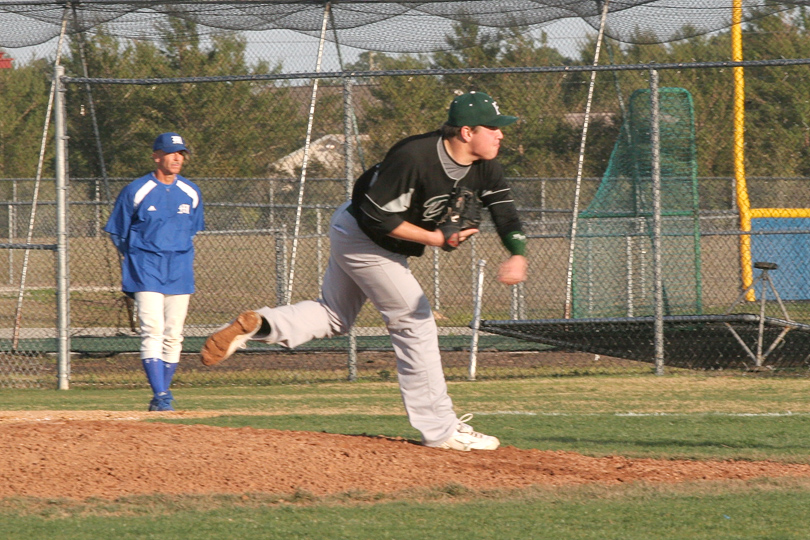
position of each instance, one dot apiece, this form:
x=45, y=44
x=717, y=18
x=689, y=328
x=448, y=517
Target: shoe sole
x=465, y=443
x=158, y=408
x=223, y=343
x=161, y=406
x=469, y=448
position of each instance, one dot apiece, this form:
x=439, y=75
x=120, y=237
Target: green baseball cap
x=477, y=109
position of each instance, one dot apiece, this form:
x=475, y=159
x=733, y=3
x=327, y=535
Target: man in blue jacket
x=153, y=225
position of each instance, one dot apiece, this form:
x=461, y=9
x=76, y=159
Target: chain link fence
x=267, y=216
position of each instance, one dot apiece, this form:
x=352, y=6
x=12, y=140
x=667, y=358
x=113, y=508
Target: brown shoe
x=222, y=344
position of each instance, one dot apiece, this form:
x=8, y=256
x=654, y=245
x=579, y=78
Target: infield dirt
x=104, y=454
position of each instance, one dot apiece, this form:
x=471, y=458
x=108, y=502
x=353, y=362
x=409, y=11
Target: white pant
x=161, y=318
x=358, y=270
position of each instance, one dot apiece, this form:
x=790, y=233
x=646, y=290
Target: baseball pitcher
x=425, y=192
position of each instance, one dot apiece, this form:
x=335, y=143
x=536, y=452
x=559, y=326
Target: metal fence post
x=656, y=188
x=281, y=266
x=12, y=230
x=62, y=281
x=476, y=323
x=319, y=244
x=437, y=294
x=349, y=128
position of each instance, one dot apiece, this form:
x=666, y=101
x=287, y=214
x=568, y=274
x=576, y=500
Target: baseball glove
x=463, y=211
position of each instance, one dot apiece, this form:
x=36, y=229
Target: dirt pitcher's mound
x=85, y=458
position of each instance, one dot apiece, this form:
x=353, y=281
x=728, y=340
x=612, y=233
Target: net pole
x=15, y=338
x=305, y=159
x=655, y=171
x=580, y=161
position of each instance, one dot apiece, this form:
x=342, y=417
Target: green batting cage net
x=613, y=252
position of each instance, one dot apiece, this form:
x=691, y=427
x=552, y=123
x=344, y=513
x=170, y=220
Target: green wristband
x=515, y=242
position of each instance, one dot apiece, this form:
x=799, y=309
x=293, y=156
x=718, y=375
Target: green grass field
x=733, y=417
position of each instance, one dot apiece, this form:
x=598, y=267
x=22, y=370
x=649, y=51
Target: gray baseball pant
x=358, y=270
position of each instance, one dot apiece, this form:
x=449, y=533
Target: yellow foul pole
x=743, y=204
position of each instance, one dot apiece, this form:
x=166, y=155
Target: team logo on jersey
x=184, y=209
x=434, y=207
x=151, y=209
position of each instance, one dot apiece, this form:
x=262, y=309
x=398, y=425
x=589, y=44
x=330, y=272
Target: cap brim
x=172, y=150
x=500, y=120
x=503, y=120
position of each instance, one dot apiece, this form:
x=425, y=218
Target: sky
x=299, y=52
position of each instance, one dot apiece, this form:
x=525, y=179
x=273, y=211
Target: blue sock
x=154, y=374
x=168, y=373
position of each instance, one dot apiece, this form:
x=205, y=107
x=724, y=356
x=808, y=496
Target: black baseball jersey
x=410, y=184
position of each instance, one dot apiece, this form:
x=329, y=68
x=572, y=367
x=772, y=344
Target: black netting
x=374, y=25
x=721, y=339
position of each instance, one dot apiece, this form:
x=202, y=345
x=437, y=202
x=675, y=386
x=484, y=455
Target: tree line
x=241, y=129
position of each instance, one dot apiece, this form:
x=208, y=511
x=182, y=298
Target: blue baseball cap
x=170, y=143
x=477, y=109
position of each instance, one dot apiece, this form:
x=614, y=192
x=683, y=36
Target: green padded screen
x=613, y=253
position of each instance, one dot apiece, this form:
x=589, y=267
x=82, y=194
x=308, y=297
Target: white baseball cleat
x=465, y=438
x=222, y=343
